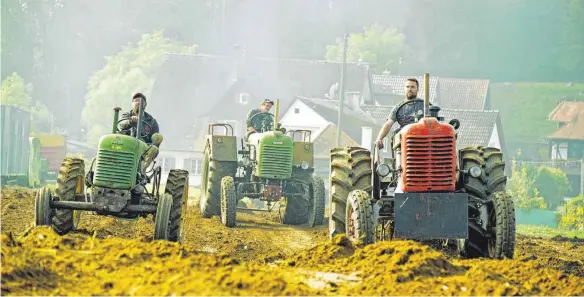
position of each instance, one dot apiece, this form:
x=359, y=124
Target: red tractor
x=424, y=189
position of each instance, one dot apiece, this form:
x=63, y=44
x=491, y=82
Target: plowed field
x=260, y=257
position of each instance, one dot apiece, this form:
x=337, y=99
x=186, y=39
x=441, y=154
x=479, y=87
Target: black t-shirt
x=411, y=109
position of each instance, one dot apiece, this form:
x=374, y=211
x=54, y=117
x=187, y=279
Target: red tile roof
x=573, y=130
x=446, y=92
x=566, y=111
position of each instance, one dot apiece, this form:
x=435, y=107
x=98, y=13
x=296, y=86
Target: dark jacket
x=149, y=125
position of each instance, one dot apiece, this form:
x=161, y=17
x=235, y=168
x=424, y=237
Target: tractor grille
x=114, y=169
x=276, y=161
x=430, y=163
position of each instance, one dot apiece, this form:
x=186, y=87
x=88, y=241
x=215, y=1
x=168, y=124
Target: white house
x=187, y=160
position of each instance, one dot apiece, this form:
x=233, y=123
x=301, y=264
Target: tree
x=129, y=71
x=377, y=45
x=16, y=92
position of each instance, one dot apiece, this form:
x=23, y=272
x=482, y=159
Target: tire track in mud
x=256, y=237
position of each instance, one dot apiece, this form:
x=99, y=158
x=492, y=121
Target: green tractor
x=273, y=167
x=115, y=185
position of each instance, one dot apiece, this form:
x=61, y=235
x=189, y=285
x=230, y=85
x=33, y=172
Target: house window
x=193, y=166
x=167, y=163
x=296, y=110
x=243, y=98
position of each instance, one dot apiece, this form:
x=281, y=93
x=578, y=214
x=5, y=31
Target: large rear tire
x=70, y=182
x=228, y=202
x=491, y=227
x=316, y=210
x=350, y=170
x=177, y=185
x=359, y=218
x=43, y=215
x=212, y=172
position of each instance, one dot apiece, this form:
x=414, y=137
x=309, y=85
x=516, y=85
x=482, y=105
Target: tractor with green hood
x=271, y=166
x=116, y=185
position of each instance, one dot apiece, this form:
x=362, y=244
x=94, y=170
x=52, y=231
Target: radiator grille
x=276, y=161
x=429, y=163
x=115, y=169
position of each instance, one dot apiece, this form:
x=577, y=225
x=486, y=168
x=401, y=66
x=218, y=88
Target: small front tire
x=228, y=202
x=162, y=219
x=42, y=204
x=359, y=218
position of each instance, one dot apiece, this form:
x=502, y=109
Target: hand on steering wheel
x=272, y=115
x=406, y=119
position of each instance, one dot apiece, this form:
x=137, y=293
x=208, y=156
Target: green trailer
x=21, y=162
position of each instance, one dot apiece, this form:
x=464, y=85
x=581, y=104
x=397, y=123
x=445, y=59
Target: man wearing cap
x=262, y=122
x=150, y=129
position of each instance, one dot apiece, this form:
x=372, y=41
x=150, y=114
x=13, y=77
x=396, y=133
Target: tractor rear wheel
x=359, y=218
x=177, y=185
x=212, y=172
x=70, y=182
x=491, y=227
x=162, y=221
x=316, y=210
x=228, y=202
x=350, y=170
x=43, y=215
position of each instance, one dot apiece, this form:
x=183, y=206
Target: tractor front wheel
x=228, y=202
x=359, y=218
x=491, y=226
x=162, y=220
x=316, y=211
x=70, y=183
x=177, y=185
x=43, y=215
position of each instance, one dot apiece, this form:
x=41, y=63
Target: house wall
x=301, y=116
x=190, y=161
x=495, y=140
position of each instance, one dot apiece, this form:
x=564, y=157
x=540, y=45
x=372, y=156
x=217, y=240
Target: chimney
x=366, y=137
x=353, y=100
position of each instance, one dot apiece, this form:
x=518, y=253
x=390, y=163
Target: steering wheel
x=143, y=133
x=272, y=115
x=407, y=119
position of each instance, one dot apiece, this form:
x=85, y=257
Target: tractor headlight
x=475, y=171
x=304, y=165
x=383, y=170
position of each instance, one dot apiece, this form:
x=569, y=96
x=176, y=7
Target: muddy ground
x=260, y=257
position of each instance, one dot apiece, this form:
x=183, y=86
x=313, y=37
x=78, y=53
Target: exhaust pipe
x=426, y=95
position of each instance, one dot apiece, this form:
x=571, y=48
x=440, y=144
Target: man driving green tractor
x=150, y=130
x=262, y=122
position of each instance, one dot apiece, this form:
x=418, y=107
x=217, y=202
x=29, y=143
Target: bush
x=552, y=184
x=539, y=187
x=572, y=216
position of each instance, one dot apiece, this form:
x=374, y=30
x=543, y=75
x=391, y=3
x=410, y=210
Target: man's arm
x=125, y=122
x=386, y=127
x=155, y=129
x=248, y=120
